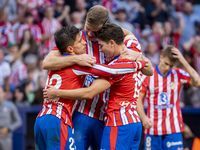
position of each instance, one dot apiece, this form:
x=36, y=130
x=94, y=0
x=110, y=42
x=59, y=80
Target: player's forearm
x=76, y=94
x=115, y=69
x=97, y=87
x=54, y=61
x=195, y=79
x=148, y=68
x=140, y=108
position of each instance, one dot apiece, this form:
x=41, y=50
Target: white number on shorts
x=71, y=140
x=148, y=141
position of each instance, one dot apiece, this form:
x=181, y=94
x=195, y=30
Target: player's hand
x=177, y=54
x=129, y=54
x=147, y=123
x=50, y=92
x=86, y=60
x=3, y=132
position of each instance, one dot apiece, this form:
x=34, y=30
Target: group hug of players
x=97, y=80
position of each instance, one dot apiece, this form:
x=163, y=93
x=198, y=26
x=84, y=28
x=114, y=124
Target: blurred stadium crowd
x=27, y=28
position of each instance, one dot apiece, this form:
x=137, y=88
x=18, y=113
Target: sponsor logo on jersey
x=164, y=98
x=124, y=103
x=170, y=144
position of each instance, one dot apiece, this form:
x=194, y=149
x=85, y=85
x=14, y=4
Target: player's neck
x=118, y=49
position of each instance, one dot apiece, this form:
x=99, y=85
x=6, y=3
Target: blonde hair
x=97, y=15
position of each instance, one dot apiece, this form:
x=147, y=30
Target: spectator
x=29, y=91
x=20, y=98
x=5, y=72
x=81, y=6
x=157, y=34
x=29, y=25
x=77, y=20
x=39, y=92
x=193, y=45
x=6, y=32
x=152, y=53
x=132, y=7
x=11, y=9
x=31, y=6
x=49, y=26
x=28, y=42
x=20, y=72
x=120, y=20
x=188, y=23
x=191, y=141
x=145, y=35
x=62, y=12
x=10, y=120
x=39, y=72
x=156, y=10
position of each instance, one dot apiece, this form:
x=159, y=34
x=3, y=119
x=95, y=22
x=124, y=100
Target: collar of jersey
x=116, y=57
x=66, y=54
x=87, y=39
x=160, y=73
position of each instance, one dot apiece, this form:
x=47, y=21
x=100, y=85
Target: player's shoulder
x=133, y=44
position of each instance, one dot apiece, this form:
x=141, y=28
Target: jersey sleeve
x=184, y=76
x=133, y=44
x=115, y=69
x=55, y=49
x=114, y=79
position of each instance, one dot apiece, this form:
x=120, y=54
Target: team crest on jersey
x=124, y=103
x=173, y=85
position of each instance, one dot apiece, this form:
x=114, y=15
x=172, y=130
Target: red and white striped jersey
x=162, y=95
x=61, y=107
x=48, y=28
x=18, y=74
x=32, y=6
x=133, y=44
x=121, y=108
x=7, y=34
x=35, y=31
x=72, y=78
x=94, y=108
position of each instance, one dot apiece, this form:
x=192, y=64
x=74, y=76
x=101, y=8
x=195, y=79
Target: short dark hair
x=65, y=37
x=28, y=14
x=111, y=31
x=167, y=52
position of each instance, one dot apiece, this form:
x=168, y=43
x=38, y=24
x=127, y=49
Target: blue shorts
x=52, y=134
x=87, y=131
x=163, y=142
x=126, y=137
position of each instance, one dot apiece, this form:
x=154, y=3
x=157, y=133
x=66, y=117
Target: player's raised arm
x=54, y=60
x=195, y=79
x=97, y=87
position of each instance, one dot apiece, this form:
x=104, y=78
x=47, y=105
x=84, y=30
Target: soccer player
x=54, y=122
x=122, y=123
x=163, y=123
x=88, y=117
